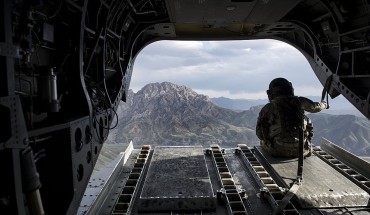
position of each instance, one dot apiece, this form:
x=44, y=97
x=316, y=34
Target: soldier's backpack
x=286, y=125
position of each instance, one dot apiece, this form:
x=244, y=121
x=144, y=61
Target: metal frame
x=332, y=35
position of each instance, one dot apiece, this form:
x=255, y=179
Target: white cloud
x=233, y=69
x=185, y=44
x=307, y=91
x=228, y=94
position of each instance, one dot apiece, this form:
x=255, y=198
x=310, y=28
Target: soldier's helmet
x=280, y=87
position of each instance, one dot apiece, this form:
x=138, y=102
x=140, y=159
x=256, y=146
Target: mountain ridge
x=169, y=114
x=338, y=106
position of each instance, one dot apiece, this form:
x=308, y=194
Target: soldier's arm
x=262, y=122
x=311, y=106
x=259, y=127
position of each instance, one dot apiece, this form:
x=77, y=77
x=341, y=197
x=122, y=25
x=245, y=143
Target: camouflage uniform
x=269, y=125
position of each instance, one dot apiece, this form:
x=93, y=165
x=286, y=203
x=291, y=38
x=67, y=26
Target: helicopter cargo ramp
x=323, y=185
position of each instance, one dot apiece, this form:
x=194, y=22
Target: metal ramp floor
x=177, y=179
x=323, y=186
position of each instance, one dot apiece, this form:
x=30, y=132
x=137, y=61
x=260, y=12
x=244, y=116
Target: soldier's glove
x=324, y=105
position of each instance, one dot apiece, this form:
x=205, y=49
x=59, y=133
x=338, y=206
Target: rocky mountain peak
x=169, y=114
x=154, y=90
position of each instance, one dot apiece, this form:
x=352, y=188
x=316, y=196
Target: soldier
x=280, y=121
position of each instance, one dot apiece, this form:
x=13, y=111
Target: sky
x=232, y=69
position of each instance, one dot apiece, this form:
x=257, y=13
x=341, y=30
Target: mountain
x=348, y=131
x=169, y=114
x=338, y=106
x=238, y=104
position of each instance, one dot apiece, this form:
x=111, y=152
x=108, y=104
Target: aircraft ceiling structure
x=66, y=65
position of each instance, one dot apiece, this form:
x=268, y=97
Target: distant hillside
x=348, y=131
x=168, y=114
x=238, y=104
x=338, y=106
